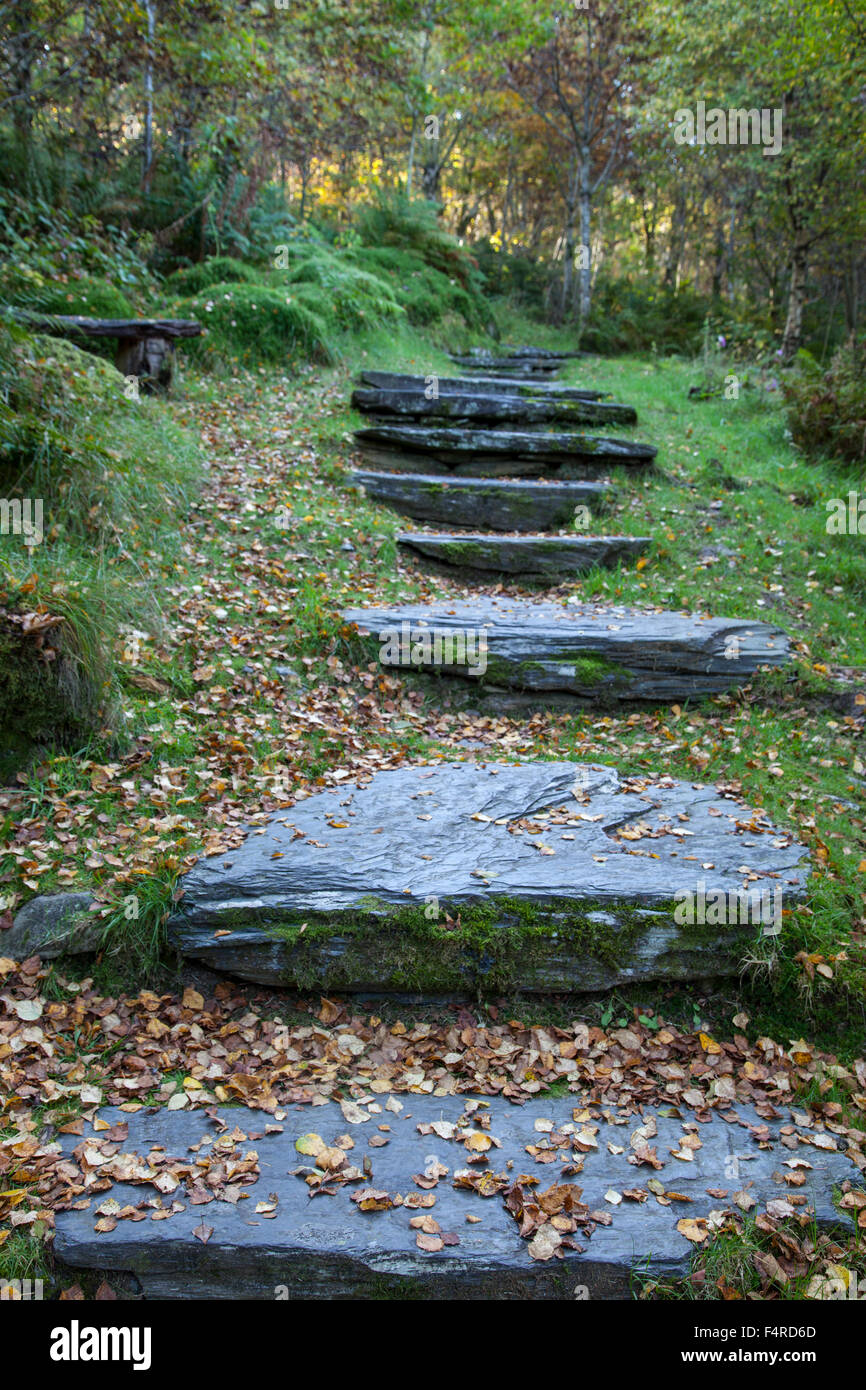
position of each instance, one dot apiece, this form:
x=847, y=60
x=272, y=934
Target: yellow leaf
x=708, y=1044
x=310, y=1144
x=478, y=1142
x=694, y=1229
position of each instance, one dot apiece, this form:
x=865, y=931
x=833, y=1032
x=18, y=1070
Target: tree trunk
x=720, y=261
x=431, y=172
x=21, y=42
x=567, y=261
x=793, y=334
x=410, y=171
x=150, y=9
x=677, y=241
x=851, y=283
x=649, y=236
x=585, y=198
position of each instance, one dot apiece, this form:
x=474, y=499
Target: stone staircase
x=453, y=878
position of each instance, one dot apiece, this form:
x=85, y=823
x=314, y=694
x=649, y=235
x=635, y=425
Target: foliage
x=216, y=270
x=412, y=224
x=637, y=316
x=75, y=294
x=268, y=121
x=827, y=409
x=111, y=476
x=255, y=323
x=356, y=298
x=432, y=274
x=425, y=293
x=511, y=272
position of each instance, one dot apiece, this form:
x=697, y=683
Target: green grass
x=113, y=477
x=726, y=1267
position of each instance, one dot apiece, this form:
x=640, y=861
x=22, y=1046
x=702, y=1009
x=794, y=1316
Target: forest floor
x=275, y=545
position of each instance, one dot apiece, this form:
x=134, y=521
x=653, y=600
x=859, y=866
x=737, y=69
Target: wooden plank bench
x=145, y=347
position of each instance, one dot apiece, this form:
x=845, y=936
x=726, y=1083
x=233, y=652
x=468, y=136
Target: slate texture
x=592, y=653
x=494, y=504
x=353, y=888
x=492, y=453
x=508, y=386
x=543, y=556
x=490, y=409
x=53, y=924
x=325, y=1248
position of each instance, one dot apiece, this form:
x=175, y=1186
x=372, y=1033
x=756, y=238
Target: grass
x=110, y=476
x=728, y=1266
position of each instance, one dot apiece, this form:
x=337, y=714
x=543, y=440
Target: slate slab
x=545, y=556
x=592, y=653
x=519, y=351
x=325, y=1248
x=354, y=888
x=525, y=367
x=495, y=504
x=492, y=453
x=458, y=385
x=489, y=409
x=51, y=925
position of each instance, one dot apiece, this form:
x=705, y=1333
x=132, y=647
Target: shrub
x=425, y=293
x=639, y=316
x=513, y=273
x=827, y=409
x=395, y=220
x=358, y=298
x=411, y=227
x=256, y=323
x=87, y=295
x=216, y=270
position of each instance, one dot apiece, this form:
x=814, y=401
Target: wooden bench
x=145, y=347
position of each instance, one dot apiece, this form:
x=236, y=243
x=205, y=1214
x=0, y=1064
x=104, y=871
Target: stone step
x=457, y=385
x=496, y=504
x=544, y=556
x=525, y=367
x=494, y=409
x=513, y=351
x=329, y=1248
x=498, y=453
x=530, y=877
x=591, y=653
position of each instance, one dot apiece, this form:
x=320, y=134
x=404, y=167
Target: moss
x=256, y=324
x=590, y=670
x=502, y=945
x=216, y=270
x=495, y=944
